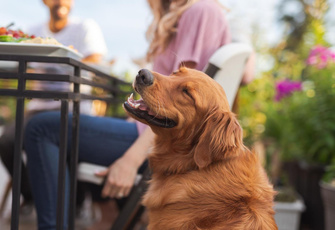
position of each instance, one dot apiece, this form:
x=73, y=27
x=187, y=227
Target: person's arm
x=249, y=71
x=122, y=173
x=195, y=41
x=93, y=45
x=93, y=58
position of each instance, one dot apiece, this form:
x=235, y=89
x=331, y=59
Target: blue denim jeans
x=102, y=140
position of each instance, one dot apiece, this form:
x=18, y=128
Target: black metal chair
x=133, y=209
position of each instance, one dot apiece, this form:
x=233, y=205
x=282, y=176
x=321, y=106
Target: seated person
x=181, y=36
x=86, y=37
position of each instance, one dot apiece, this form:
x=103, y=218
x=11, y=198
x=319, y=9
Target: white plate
x=38, y=50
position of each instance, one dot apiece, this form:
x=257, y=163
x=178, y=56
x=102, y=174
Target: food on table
x=8, y=35
x=39, y=40
x=46, y=41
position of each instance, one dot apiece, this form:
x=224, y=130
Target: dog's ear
x=221, y=135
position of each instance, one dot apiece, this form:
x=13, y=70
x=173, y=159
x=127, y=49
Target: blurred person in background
x=182, y=33
x=83, y=34
x=86, y=37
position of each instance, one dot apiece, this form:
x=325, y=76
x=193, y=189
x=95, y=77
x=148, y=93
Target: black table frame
x=21, y=93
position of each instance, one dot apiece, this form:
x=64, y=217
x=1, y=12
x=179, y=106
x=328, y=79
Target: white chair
x=227, y=65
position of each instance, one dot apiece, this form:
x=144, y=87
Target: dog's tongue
x=137, y=104
x=140, y=104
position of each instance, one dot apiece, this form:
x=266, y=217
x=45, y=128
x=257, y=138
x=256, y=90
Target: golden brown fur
x=203, y=177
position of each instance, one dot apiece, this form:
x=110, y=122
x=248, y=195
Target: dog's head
x=187, y=105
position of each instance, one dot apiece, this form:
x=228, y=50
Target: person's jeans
x=102, y=140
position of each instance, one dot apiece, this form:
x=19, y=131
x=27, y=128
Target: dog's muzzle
x=143, y=78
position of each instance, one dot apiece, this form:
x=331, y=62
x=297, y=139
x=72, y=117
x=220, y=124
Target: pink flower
x=286, y=87
x=320, y=56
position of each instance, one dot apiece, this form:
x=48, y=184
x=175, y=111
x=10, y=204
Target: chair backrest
x=227, y=65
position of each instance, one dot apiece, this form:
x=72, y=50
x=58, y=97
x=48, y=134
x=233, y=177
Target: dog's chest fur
x=208, y=199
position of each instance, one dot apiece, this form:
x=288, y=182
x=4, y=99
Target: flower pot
x=305, y=179
x=292, y=170
x=309, y=189
x=328, y=196
x=288, y=214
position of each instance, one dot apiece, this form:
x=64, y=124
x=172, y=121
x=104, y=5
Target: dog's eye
x=185, y=90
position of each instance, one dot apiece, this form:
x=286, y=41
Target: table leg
x=62, y=164
x=17, y=163
x=74, y=152
x=74, y=163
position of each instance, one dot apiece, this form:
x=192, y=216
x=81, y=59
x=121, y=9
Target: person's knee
x=39, y=124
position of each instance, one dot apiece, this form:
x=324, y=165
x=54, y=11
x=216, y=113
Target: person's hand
x=93, y=58
x=120, y=178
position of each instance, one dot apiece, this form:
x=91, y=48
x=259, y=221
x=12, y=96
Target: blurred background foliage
x=301, y=125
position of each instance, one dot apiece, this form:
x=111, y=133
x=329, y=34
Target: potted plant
x=301, y=125
x=320, y=70
x=288, y=207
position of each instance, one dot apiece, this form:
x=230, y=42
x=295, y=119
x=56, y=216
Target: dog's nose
x=144, y=77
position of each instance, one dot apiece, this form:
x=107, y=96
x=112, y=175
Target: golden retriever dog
x=203, y=177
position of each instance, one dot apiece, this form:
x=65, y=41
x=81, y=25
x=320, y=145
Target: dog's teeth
x=137, y=106
x=130, y=98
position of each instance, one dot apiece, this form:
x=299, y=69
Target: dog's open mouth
x=142, y=111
